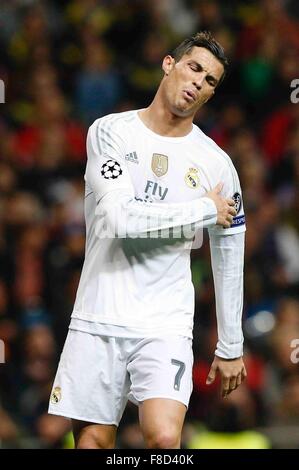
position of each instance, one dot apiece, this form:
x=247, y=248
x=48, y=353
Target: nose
x=198, y=81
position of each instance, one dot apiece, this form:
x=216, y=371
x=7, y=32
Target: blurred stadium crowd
x=66, y=63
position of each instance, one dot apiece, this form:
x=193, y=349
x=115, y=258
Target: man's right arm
x=117, y=209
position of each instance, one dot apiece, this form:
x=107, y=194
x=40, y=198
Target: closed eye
x=212, y=81
x=196, y=67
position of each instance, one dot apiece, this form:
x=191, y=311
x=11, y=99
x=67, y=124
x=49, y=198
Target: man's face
x=191, y=82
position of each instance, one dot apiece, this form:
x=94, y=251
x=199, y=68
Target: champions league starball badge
x=111, y=170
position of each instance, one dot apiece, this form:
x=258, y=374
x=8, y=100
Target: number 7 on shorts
x=179, y=374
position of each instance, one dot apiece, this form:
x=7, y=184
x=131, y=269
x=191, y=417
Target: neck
x=159, y=119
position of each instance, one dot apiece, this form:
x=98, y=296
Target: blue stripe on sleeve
x=238, y=221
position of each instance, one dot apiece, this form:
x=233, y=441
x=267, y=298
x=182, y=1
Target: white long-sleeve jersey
x=144, y=203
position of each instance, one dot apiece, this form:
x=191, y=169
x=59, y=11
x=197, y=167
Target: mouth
x=189, y=95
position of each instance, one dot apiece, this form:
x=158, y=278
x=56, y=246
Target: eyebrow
x=200, y=67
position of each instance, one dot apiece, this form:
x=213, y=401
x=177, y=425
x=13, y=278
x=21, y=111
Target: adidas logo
x=132, y=157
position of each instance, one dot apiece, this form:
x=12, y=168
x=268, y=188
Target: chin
x=182, y=111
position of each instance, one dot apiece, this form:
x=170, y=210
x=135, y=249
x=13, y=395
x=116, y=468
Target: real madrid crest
x=56, y=395
x=192, y=178
x=159, y=164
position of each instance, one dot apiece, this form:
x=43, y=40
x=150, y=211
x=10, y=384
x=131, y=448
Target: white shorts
x=98, y=374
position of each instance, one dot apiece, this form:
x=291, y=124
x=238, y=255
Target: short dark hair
x=202, y=39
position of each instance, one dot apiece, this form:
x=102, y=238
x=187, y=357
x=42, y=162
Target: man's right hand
x=225, y=207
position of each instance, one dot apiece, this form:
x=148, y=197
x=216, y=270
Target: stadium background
x=66, y=63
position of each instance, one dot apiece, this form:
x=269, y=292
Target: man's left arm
x=227, y=257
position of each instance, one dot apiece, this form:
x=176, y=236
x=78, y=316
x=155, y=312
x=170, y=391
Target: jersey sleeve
x=227, y=257
x=117, y=209
x=106, y=170
x=231, y=189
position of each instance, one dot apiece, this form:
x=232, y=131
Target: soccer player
x=153, y=180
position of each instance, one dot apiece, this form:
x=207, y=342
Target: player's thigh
x=161, y=422
x=161, y=368
x=93, y=436
x=161, y=384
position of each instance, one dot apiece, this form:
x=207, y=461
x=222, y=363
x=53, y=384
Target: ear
x=168, y=64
